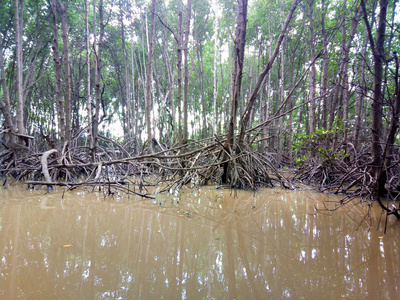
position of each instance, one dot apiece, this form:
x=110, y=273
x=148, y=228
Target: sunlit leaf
x=68, y=246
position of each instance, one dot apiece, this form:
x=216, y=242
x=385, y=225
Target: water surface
x=202, y=244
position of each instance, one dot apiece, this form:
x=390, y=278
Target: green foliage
x=316, y=143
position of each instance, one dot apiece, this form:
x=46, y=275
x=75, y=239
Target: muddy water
x=202, y=244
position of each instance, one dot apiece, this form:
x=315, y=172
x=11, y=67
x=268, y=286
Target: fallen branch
x=45, y=169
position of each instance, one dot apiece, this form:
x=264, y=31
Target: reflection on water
x=203, y=244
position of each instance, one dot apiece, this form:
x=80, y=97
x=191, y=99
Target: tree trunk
x=362, y=93
x=6, y=107
x=62, y=11
x=215, y=82
x=377, y=101
x=325, y=66
x=282, y=98
x=134, y=118
x=150, y=77
x=57, y=71
x=229, y=100
x=267, y=91
x=204, y=130
x=290, y=122
x=186, y=81
x=345, y=61
x=246, y=115
x=170, y=72
x=394, y=123
x=19, y=65
x=126, y=96
x=250, y=78
x=88, y=88
x=179, y=67
x=312, y=87
x=97, y=73
x=75, y=90
x=221, y=122
x=240, y=41
x=198, y=49
x=204, y=127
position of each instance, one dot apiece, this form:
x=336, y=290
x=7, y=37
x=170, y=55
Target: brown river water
x=202, y=244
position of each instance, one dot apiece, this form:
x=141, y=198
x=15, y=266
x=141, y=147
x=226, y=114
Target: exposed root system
x=114, y=169
x=348, y=172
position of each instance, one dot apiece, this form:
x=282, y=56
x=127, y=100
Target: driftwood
x=45, y=168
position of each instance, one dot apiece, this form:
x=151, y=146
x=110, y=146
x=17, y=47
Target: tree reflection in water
x=211, y=244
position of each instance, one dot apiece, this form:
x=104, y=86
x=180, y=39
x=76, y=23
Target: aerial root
x=196, y=163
